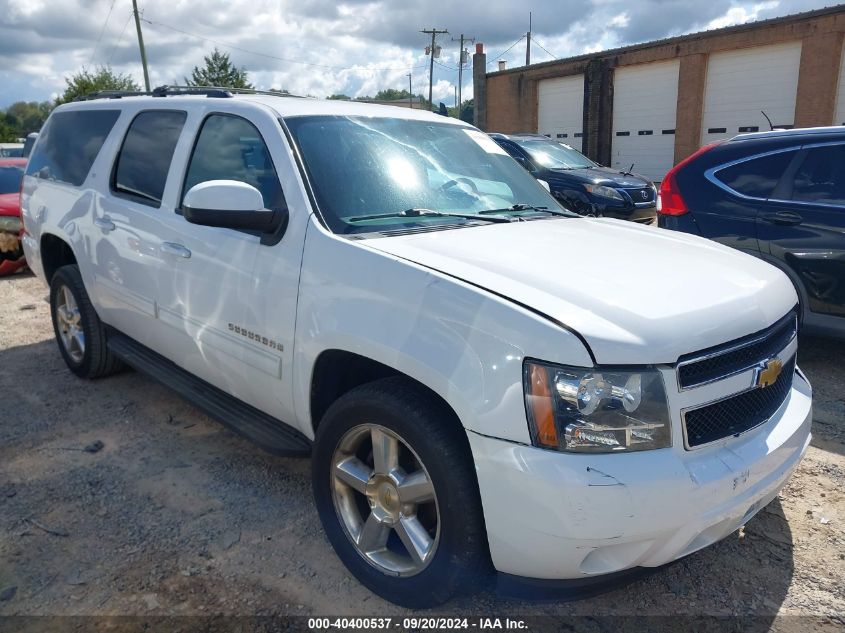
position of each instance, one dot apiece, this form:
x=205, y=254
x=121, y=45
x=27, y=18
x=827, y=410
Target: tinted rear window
x=10, y=179
x=144, y=160
x=69, y=144
x=756, y=177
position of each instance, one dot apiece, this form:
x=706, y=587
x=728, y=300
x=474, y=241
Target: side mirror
x=230, y=204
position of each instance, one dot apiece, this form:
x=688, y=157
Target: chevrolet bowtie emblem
x=767, y=372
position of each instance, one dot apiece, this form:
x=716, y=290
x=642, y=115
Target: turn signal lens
x=541, y=406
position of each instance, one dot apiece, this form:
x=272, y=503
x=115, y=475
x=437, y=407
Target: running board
x=271, y=434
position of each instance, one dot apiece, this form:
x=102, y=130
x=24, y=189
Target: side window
x=143, y=163
x=69, y=143
x=231, y=148
x=821, y=177
x=757, y=177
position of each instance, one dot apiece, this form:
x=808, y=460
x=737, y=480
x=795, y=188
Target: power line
x=495, y=57
x=120, y=37
x=268, y=56
x=432, y=51
x=102, y=30
x=543, y=47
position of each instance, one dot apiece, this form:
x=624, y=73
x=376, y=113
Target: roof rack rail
x=112, y=94
x=217, y=91
x=172, y=91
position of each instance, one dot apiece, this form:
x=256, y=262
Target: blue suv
x=580, y=184
x=780, y=196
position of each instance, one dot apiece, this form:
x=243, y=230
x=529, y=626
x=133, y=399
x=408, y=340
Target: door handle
x=784, y=217
x=177, y=250
x=104, y=224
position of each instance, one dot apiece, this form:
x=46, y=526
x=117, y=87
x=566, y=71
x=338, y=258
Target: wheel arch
x=337, y=371
x=56, y=252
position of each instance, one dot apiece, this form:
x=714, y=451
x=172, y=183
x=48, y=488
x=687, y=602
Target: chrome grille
x=725, y=360
x=641, y=195
x=739, y=413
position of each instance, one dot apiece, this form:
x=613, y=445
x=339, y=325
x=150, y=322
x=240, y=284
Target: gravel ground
x=175, y=515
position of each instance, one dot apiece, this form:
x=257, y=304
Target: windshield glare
x=552, y=155
x=362, y=166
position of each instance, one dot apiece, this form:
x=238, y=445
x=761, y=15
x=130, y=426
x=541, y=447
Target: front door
x=212, y=297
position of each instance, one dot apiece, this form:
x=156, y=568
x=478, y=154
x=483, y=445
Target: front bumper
x=554, y=515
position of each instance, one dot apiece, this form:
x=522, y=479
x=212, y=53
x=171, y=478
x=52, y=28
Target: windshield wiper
x=530, y=207
x=428, y=213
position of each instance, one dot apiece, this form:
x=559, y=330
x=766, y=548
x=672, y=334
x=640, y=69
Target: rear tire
x=396, y=491
x=80, y=334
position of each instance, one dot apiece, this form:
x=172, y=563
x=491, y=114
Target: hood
x=638, y=295
x=10, y=204
x=596, y=175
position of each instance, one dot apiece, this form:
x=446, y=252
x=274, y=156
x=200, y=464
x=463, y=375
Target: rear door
x=803, y=225
x=128, y=225
x=729, y=214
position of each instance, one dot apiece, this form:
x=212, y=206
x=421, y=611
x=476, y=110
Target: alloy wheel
x=385, y=500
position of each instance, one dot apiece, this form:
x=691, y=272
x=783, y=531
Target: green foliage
x=340, y=97
x=391, y=94
x=21, y=118
x=102, y=78
x=219, y=71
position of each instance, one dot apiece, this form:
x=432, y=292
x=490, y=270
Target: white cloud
x=321, y=47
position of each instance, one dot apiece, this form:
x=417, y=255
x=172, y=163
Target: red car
x=11, y=228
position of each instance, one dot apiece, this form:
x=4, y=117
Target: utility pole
x=410, y=92
x=528, y=42
x=141, y=45
x=434, y=33
x=461, y=61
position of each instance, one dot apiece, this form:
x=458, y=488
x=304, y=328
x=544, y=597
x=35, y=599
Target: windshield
x=362, y=166
x=10, y=179
x=552, y=155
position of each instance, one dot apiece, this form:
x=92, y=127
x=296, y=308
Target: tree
x=391, y=94
x=23, y=117
x=103, y=78
x=219, y=71
x=340, y=97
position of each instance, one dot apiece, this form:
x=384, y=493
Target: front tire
x=80, y=334
x=397, y=494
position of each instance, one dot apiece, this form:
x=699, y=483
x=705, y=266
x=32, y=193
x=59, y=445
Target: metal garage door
x=561, y=109
x=741, y=83
x=839, y=116
x=645, y=99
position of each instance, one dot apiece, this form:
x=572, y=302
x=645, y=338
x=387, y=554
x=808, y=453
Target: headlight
x=595, y=410
x=604, y=192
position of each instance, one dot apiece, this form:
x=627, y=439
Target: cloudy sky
x=321, y=47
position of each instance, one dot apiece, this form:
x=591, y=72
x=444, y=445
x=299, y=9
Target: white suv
x=479, y=376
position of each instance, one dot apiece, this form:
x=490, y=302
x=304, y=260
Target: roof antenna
x=771, y=127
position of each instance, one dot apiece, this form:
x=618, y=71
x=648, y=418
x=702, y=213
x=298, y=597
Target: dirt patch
x=175, y=515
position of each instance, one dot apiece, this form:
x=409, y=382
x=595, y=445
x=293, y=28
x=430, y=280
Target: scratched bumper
x=559, y=516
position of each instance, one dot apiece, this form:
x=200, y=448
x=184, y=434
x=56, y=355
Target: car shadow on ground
x=176, y=514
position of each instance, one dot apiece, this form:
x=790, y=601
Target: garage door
x=561, y=108
x=645, y=99
x=741, y=83
x=839, y=117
